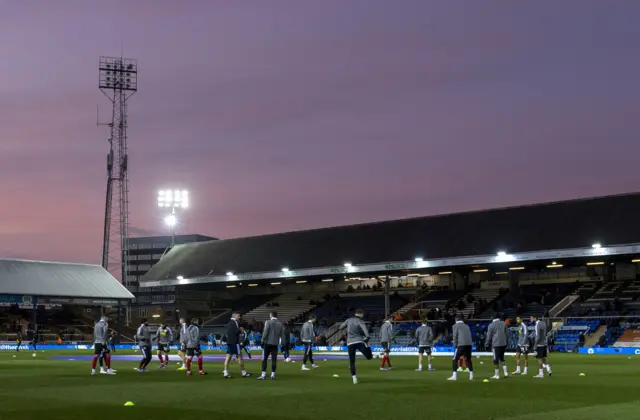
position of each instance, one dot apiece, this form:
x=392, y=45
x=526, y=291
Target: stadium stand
x=289, y=307
x=560, y=225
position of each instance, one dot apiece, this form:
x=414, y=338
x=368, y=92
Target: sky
x=282, y=115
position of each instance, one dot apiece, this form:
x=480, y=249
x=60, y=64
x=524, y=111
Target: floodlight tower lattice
x=118, y=81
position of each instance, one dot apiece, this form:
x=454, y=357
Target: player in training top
x=308, y=338
x=357, y=340
x=462, y=343
x=497, y=337
x=193, y=346
x=522, y=350
x=541, y=348
x=233, y=345
x=182, y=337
x=424, y=336
x=164, y=337
x=272, y=337
x=386, y=336
x=101, y=351
x=244, y=341
x=144, y=341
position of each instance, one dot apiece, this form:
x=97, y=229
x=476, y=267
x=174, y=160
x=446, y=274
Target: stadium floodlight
x=171, y=220
x=229, y=273
x=117, y=73
x=347, y=265
x=173, y=199
x=285, y=270
x=419, y=260
x=180, y=278
x=596, y=246
x=502, y=254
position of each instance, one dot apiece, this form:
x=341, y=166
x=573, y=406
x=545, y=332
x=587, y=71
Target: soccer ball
x=34, y=355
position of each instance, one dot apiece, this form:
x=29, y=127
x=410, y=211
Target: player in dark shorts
x=357, y=340
x=18, y=341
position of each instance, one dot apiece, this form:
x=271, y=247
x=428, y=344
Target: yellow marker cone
x=129, y=404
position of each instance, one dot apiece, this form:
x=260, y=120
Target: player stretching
x=424, y=335
x=272, y=336
x=523, y=347
x=462, y=343
x=540, y=343
x=497, y=334
x=193, y=346
x=144, y=341
x=101, y=351
x=308, y=337
x=233, y=345
x=164, y=337
x=386, y=336
x=183, y=346
x=357, y=340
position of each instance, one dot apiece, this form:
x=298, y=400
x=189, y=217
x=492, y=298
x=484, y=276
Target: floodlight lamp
x=173, y=198
x=347, y=265
x=419, y=260
x=596, y=246
x=501, y=254
x=285, y=270
x=229, y=273
x=180, y=278
x=170, y=220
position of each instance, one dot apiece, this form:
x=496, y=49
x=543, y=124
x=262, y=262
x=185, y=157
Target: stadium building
x=568, y=258
x=144, y=253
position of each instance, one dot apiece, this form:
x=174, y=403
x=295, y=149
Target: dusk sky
x=285, y=115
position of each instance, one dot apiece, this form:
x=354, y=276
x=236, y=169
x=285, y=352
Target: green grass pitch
x=40, y=388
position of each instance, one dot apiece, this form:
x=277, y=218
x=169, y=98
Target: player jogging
x=308, y=337
x=101, y=351
x=233, y=345
x=540, y=344
x=183, y=346
x=497, y=334
x=164, y=337
x=523, y=347
x=386, y=336
x=462, y=343
x=424, y=336
x=18, y=341
x=357, y=340
x=143, y=335
x=272, y=337
x=193, y=346
x=34, y=340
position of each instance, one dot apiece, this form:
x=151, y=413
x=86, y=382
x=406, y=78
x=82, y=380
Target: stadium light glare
x=635, y=261
x=253, y=284
x=554, y=265
x=442, y=273
x=276, y=283
x=231, y=286
x=285, y=270
x=301, y=281
x=229, y=273
x=419, y=260
x=516, y=268
x=481, y=270
x=171, y=220
x=596, y=263
x=155, y=316
x=173, y=199
x=596, y=246
x=347, y=265
x=327, y=280
x=502, y=254
x=180, y=278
